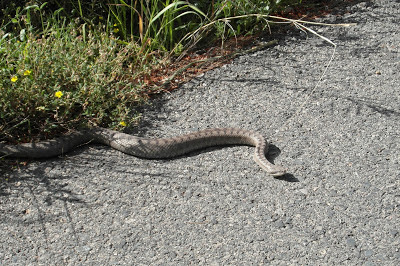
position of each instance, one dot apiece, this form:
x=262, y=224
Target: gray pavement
x=338, y=206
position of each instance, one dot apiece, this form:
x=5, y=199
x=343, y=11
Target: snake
x=147, y=148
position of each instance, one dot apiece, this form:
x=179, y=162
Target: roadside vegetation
x=72, y=64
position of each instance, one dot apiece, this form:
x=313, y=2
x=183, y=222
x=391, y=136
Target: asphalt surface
x=340, y=141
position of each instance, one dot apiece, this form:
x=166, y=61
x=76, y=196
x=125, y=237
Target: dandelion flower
x=14, y=78
x=27, y=72
x=58, y=94
x=122, y=123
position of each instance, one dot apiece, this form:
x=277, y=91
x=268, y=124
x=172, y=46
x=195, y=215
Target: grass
x=79, y=64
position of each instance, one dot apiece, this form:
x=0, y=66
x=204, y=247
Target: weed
x=61, y=82
x=71, y=64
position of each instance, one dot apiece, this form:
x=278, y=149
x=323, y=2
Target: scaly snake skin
x=148, y=148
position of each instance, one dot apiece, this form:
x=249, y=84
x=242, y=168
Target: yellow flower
x=58, y=94
x=14, y=78
x=115, y=25
x=122, y=123
x=116, y=30
x=27, y=72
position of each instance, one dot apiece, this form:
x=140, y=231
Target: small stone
x=368, y=253
x=172, y=254
x=280, y=224
x=394, y=233
x=304, y=191
x=351, y=242
x=188, y=194
x=213, y=220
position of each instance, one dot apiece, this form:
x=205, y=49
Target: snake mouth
x=278, y=174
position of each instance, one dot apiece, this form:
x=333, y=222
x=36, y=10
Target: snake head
x=277, y=170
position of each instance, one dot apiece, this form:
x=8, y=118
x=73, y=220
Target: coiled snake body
x=148, y=148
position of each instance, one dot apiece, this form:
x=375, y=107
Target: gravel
x=340, y=141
